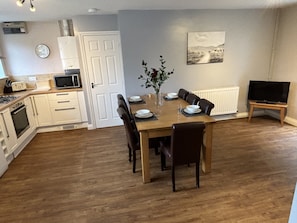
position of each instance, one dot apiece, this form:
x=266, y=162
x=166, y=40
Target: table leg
x=282, y=116
x=145, y=160
x=207, y=149
x=251, y=112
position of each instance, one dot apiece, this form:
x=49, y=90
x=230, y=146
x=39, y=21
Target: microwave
x=67, y=81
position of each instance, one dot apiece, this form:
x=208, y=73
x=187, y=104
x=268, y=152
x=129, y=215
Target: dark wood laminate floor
x=84, y=176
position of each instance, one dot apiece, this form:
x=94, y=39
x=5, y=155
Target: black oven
x=19, y=117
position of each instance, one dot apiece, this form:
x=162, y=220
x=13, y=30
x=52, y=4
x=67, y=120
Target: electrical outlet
x=33, y=78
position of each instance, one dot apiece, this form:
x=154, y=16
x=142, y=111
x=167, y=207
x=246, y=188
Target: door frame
x=86, y=77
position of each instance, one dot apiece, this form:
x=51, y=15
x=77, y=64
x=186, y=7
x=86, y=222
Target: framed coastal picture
x=205, y=47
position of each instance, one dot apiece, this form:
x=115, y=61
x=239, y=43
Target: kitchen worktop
x=23, y=94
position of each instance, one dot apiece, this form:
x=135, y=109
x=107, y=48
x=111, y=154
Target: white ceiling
x=53, y=10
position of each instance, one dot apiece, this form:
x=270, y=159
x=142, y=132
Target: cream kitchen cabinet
x=82, y=106
x=68, y=52
x=65, y=108
x=41, y=110
x=30, y=114
x=8, y=136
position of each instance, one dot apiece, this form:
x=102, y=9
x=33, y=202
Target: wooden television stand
x=277, y=106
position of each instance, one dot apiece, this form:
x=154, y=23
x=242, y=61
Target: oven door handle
x=18, y=110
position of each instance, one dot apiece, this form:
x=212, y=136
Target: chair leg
x=197, y=175
x=157, y=150
x=130, y=153
x=163, y=161
x=173, y=177
x=134, y=161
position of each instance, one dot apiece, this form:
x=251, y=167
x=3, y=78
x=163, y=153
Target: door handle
x=94, y=85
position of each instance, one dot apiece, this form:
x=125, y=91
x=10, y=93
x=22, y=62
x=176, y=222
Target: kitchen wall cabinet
x=64, y=107
x=41, y=110
x=68, y=52
x=8, y=136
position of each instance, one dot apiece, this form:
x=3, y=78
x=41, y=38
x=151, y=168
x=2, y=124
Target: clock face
x=42, y=50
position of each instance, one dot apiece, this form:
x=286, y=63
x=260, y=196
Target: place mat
x=169, y=99
x=145, y=119
x=137, y=102
x=189, y=115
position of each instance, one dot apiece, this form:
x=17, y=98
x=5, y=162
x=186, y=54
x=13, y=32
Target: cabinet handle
x=64, y=109
x=32, y=106
x=35, y=106
x=6, y=129
x=63, y=101
x=60, y=94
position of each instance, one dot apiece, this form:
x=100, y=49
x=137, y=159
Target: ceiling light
x=93, y=10
x=32, y=8
x=21, y=2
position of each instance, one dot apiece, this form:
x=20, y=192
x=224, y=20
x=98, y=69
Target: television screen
x=269, y=91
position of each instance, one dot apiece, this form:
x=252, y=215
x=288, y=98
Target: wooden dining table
x=160, y=125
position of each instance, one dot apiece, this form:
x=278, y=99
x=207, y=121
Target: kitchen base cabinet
x=41, y=110
x=8, y=136
x=64, y=108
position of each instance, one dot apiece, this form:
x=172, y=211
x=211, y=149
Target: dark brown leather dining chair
x=182, y=93
x=132, y=135
x=183, y=148
x=206, y=106
x=192, y=99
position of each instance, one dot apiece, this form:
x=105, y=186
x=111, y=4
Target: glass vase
x=159, y=100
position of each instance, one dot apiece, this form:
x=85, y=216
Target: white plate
x=148, y=115
x=131, y=99
x=171, y=97
x=190, y=112
x=143, y=111
x=193, y=108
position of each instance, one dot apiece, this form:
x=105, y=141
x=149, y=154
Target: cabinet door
x=67, y=47
x=68, y=52
x=42, y=110
x=8, y=132
x=82, y=106
x=70, y=63
x=30, y=113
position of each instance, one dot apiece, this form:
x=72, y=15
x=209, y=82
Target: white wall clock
x=42, y=50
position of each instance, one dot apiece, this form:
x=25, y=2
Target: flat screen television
x=269, y=91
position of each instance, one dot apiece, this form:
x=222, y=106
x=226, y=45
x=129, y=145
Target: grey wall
x=95, y=23
x=148, y=34
x=19, y=50
x=285, y=66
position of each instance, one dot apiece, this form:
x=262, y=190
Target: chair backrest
x=182, y=93
x=186, y=142
x=133, y=140
x=192, y=99
x=206, y=106
x=122, y=102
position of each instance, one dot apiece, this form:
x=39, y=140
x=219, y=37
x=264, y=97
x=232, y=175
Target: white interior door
x=104, y=68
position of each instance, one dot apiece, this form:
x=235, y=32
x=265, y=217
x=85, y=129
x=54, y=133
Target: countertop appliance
x=18, y=86
x=67, y=81
x=4, y=99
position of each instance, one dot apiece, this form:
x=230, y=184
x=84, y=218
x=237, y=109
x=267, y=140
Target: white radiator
x=224, y=99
